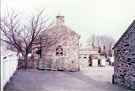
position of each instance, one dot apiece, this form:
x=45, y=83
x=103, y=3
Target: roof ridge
x=124, y=34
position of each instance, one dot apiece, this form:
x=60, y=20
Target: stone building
x=86, y=54
x=124, y=58
x=60, y=48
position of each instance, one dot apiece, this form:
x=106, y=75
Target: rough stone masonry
x=124, y=58
x=63, y=52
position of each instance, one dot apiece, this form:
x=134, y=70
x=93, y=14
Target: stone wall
x=31, y=64
x=69, y=41
x=124, y=60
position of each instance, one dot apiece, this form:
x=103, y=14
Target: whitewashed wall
x=8, y=66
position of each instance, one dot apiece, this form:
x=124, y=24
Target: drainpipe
x=40, y=48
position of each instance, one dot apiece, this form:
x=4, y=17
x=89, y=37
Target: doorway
x=90, y=61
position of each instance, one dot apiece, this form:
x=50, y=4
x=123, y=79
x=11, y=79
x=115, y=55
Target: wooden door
x=60, y=64
x=90, y=61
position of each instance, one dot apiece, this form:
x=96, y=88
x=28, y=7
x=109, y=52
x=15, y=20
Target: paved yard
x=88, y=79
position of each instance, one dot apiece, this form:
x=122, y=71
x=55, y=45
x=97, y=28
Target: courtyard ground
x=88, y=79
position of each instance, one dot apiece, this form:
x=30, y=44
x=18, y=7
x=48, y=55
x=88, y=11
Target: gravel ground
x=88, y=79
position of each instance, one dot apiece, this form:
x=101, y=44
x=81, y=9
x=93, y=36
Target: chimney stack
x=60, y=20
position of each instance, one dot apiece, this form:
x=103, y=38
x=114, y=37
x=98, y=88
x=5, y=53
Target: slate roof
x=88, y=51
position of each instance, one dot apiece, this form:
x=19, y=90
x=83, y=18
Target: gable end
x=131, y=25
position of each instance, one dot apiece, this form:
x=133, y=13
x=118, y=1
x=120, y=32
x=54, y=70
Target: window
x=84, y=57
x=59, y=51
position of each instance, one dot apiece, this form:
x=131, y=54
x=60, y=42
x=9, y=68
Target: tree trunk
x=25, y=60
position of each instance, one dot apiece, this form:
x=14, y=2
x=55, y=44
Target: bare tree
x=91, y=41
x=23, y=35
x=103, y=42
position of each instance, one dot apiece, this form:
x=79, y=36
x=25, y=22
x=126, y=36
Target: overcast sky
x=86, y=17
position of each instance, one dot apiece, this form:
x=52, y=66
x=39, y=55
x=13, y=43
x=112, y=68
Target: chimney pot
x=60, y=20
